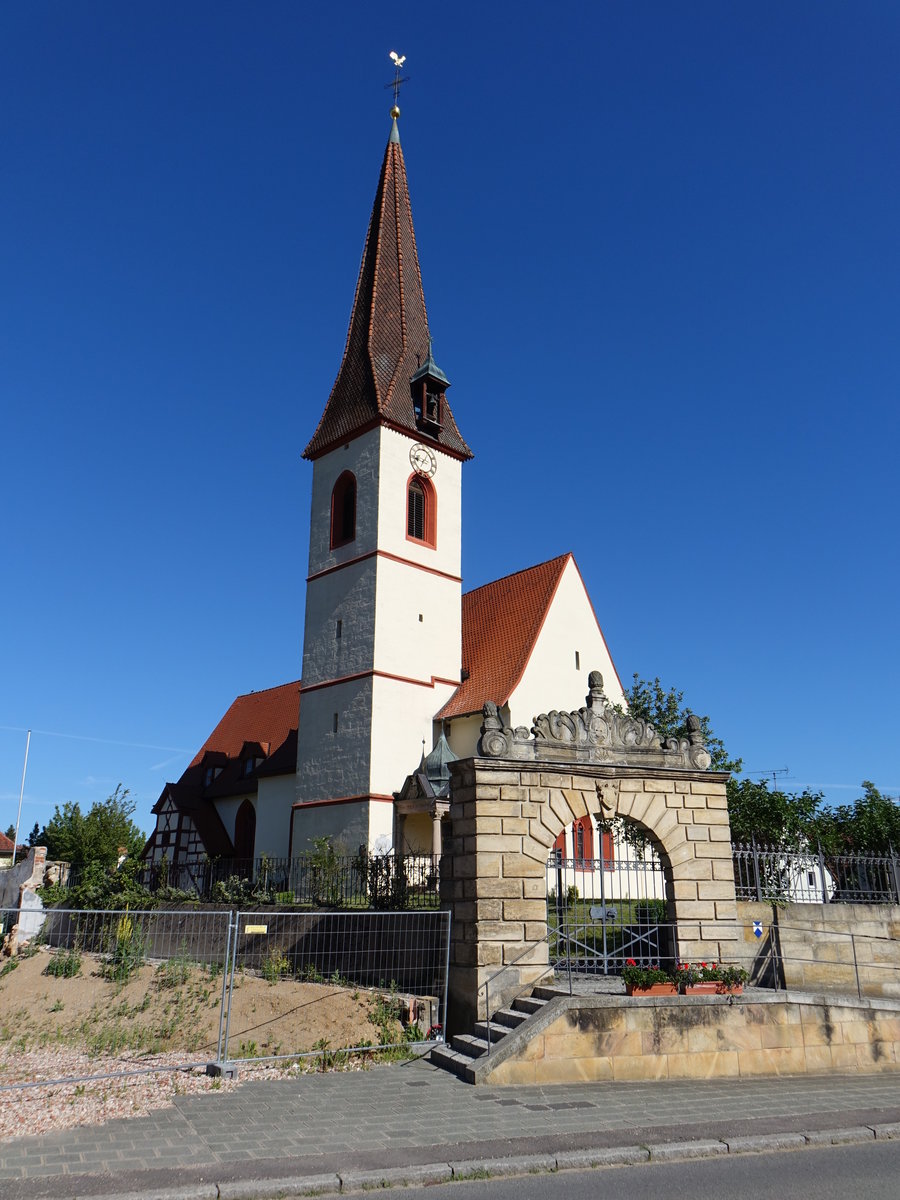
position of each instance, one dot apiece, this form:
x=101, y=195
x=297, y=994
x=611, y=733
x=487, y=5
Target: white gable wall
x=274, y=800
x=551, y=679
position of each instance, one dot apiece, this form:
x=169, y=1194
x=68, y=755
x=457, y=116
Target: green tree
x=96, y=836
x=772, y=817
x=666, y=711
x=871, y=823
x=10, y=831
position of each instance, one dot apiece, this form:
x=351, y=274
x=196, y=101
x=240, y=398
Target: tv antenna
x=773, y=771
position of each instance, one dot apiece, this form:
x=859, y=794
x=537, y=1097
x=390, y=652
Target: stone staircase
x=465, y=1049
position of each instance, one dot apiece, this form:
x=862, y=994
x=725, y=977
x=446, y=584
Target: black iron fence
x=321, y=881
x=814, y=876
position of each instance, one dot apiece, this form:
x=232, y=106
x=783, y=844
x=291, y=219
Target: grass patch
x=64, y=964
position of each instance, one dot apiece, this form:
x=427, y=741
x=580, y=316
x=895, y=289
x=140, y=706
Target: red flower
x=629, y=962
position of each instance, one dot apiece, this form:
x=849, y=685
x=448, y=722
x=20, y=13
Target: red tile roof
x=267, y=716
x=388, y=336
x=267, y=720
x=500, y=624
x=6, y=844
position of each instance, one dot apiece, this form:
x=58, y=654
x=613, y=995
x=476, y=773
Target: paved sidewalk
x=329, y=1130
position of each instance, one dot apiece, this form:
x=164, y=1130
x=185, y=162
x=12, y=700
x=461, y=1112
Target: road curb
x=355, y=1180
x=274, y=1189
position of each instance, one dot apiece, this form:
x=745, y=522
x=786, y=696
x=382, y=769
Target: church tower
x=381, y=645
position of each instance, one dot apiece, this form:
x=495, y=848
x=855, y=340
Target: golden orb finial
x=395, y=112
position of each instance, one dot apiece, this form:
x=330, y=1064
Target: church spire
x=388, y=339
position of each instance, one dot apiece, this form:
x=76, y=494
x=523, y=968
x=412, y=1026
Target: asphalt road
x=870, y=1172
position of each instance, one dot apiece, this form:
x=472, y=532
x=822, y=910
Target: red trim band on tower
x=406, y=562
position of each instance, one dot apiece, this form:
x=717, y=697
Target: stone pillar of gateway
x=508, y=805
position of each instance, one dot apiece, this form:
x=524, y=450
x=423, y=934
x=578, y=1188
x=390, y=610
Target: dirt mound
x=174, y=1006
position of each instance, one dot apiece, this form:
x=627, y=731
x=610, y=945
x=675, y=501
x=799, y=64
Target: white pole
x=21, y=794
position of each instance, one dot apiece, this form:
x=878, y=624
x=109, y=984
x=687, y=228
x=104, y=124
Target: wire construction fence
x=815, y=877
x=398, y=962
x=161, y=990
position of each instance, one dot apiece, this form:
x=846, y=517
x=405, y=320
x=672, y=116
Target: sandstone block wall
x=504, y=818
x=606, y=1038
x=811, y=946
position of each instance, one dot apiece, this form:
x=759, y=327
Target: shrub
x=102, y=887
x=175, y=972
x=275, y=964
x=126, y=951
x=64, y=964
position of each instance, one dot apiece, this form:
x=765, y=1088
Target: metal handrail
x=486, y=986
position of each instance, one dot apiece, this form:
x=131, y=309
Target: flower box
x=653, y=989
x=712, y=988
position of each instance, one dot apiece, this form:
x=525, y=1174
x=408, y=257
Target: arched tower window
x=343, y=510
x=421, y=511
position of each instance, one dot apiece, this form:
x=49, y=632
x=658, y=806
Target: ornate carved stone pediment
x=597, y=733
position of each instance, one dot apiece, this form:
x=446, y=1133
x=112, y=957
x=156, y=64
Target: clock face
x=422, y=460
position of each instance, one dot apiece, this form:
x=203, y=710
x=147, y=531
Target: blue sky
x=660, y=251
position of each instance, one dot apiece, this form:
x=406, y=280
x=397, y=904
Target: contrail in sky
x=79, y=737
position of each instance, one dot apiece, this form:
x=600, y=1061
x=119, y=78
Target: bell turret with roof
x=382, y=636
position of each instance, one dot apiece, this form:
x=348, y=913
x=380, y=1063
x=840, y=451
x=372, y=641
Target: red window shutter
x=588, y=826
x=609, y=850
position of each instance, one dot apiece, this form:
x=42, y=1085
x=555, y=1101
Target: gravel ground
x=55, y=1106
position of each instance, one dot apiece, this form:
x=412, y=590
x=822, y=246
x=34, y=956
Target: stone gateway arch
x=508, y=805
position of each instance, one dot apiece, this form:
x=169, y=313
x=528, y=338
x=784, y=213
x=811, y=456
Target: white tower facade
x=382, y=634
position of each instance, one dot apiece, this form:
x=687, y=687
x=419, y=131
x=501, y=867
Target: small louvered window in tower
x=415, y=511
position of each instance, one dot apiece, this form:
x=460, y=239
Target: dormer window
x=211, y=773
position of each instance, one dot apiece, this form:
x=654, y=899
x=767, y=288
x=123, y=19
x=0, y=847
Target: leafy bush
x=102, y=887
x=325, y=873
x=275, y=964
x=386, y=883
x=650, y=912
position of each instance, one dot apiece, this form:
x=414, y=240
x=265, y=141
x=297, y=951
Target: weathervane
x=398, y=60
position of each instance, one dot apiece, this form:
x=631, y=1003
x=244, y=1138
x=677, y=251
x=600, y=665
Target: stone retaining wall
x=578, y=1038
x=809, y=946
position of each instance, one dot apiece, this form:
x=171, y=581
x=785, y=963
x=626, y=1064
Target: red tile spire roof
x=500, y=625
x=388, y=338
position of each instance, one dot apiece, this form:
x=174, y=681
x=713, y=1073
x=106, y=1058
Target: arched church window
x=421, y=507
x=343, y=510
x=245, y=831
